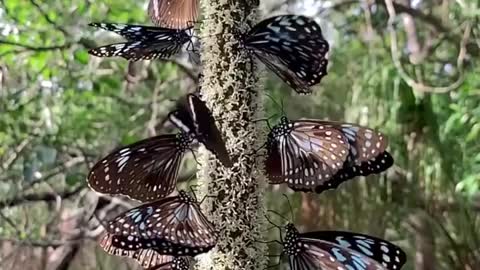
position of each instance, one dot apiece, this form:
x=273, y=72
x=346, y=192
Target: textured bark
x=229, y=86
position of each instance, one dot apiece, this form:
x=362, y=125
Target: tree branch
x=398, y=65
x=40, y=197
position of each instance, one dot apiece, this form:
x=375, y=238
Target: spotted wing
x=174, y=219
x=145, y=171
x=309, y=156
x=389, y=255
x=138, y=32
x=319, y=254
x=367, y=152
x=314, y=258
x=177, y=14
x=138, y=50
x=162, y=247
x=147, y=258
x=293, y=47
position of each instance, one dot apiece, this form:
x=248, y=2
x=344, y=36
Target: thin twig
x=398, y=65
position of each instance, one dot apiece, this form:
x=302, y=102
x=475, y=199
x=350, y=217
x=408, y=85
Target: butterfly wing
x=320, y=254
x=275, y=64
x=145, y=171
x=193, y=116
x=315, y=258
x=293, y=47
x=138, y=50
x=384, y=252
x=309, y=156
x=133, y=32
x=367, y=152
x=144, y=42
x=177, y=14
x=147, y=258
x=162, y=247
x=177, y=220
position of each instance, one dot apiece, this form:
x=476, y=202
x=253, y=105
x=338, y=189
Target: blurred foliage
x=61, y=110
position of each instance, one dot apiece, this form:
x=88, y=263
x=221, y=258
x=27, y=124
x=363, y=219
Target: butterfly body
x=313, y=155
x=143, y=42
x=337, y=250
x=292, y=47
x=193, y=117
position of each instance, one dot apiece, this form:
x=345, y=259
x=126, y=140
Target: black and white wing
x=146, y=170
x=293, y=47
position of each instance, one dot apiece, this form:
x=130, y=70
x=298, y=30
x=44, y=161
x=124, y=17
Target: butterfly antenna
x=192, y=190
x=278, y=214
x=277, y=264
x=206, y=196
x=282, y=106
x=275, y=226
x=195, y=157
x=274, y=101
x=289, y=206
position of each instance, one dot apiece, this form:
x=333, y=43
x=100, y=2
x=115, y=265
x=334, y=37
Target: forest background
x=413, y=76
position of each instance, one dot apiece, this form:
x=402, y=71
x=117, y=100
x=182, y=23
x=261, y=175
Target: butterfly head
x=180, y=263
x=281, y=129
x=291, y=244
x=184, y=35
x=186, y=198
x=184, y=141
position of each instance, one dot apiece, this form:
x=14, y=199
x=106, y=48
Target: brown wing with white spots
x=147, y=258
x=145, y=171
x=176, y=14
x=177, y=220
x=367, y=154
x=308, y=156
x=313, y=155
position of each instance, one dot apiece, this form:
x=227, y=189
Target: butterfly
x=143, y=42
x=315, y=155
x=292, y=47
x=170, y=226
x=146, y=170
x=338, y=250
x=147, y=258
x=192, y=116
x=177, y=14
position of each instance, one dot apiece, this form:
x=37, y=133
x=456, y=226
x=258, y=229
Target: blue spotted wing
x=389, y=255
x=143, y=42
x=177, y=222
x=146, y=170
x=292, y=47
x=193, y=117
x=147, y=258
x=314, y=155
x=332, y=250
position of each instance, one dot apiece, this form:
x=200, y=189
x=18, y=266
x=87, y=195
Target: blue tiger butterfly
x=293, y=47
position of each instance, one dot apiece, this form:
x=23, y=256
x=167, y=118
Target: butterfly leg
x=195, y=157
x=277, y=264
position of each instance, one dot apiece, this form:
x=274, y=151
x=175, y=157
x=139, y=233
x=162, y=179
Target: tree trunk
x=229, y=87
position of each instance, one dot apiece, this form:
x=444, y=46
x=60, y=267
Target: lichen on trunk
x=230, y=89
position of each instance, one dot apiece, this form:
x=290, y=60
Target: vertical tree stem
x=229, y=87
